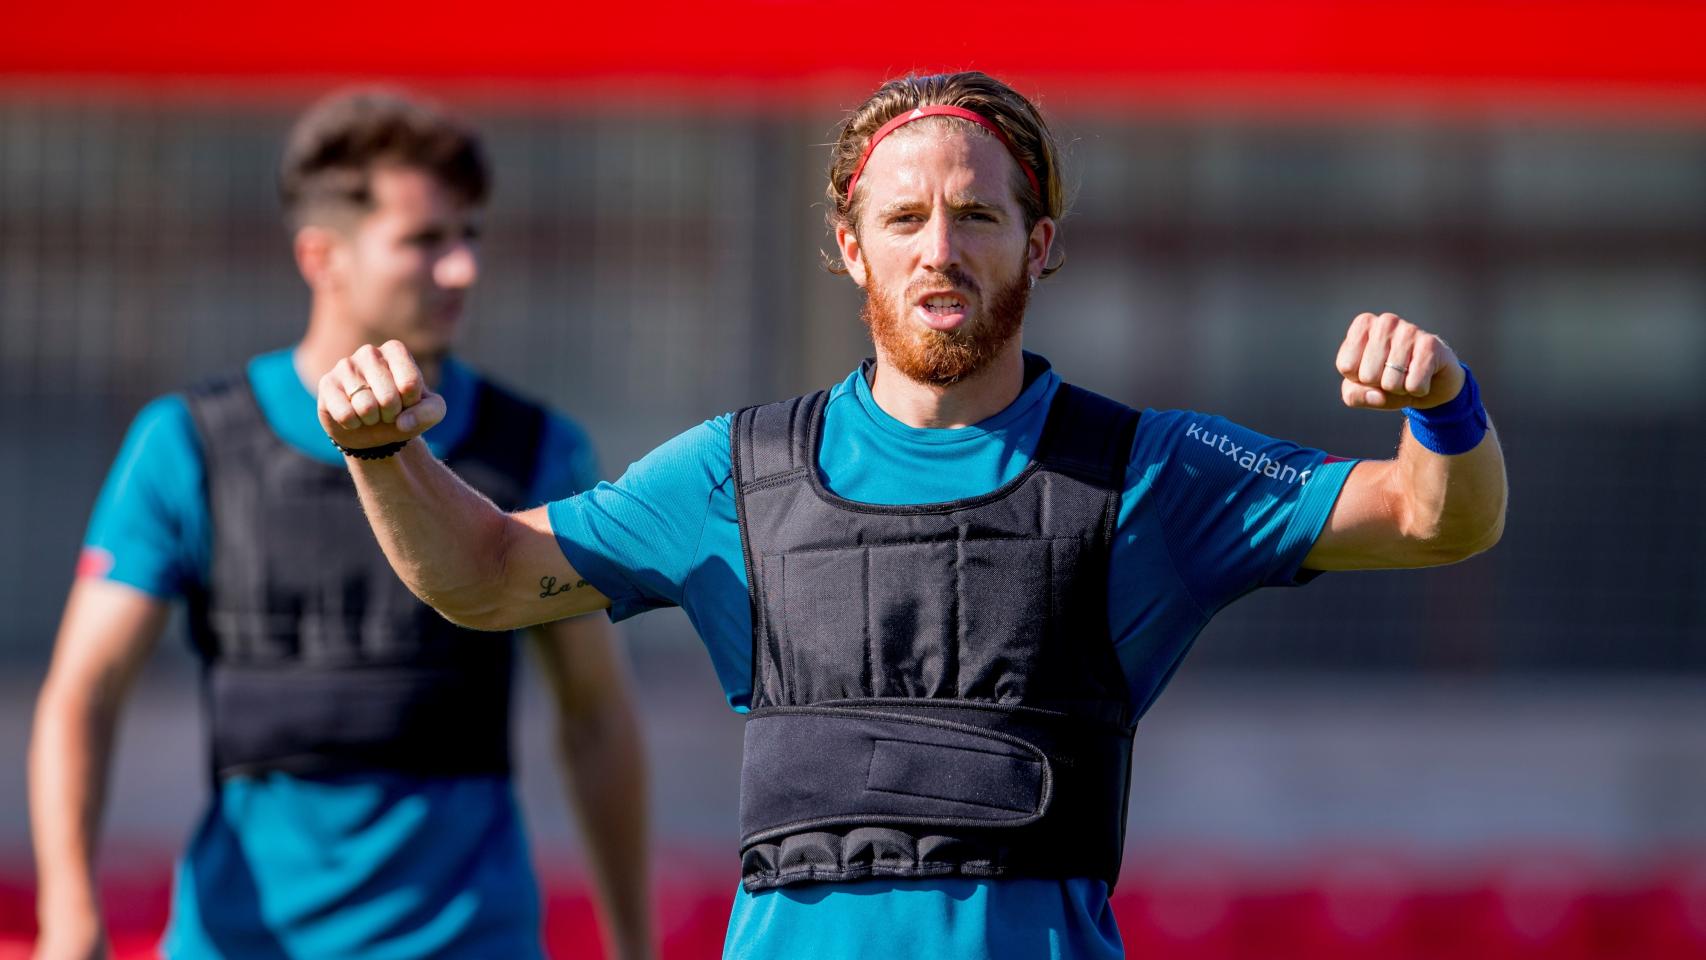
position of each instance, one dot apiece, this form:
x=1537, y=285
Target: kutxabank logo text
x=1252, y=460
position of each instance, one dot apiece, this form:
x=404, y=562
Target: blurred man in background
x=948, y=587
x=360, y=746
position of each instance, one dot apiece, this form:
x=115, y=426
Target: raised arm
x=106, y=634
x=1437, y=502
x=480, y=567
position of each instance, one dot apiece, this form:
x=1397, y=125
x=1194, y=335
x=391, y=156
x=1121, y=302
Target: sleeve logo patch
x=95, y=562
x=1251, y=460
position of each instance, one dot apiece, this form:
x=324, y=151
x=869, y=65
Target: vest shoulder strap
x=774, y=440
x=1088, y=436
x=507, y=433
x=226, y=415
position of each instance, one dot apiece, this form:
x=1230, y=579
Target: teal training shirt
x=1210, y=512
x=362, y=865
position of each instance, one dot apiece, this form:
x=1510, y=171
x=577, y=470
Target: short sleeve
x=567, y=463
x=1237, y=510
x=638, y=539
x=150, y=525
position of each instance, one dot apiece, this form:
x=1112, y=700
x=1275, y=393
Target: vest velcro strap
x=1007, y=790
x=813, y=767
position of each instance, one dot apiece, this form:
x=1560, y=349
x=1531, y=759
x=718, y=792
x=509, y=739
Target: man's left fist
x=1389, y=363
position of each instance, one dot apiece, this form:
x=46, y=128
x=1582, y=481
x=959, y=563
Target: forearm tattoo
x=548, y=586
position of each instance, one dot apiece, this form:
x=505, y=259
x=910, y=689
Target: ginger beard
x=945, y=357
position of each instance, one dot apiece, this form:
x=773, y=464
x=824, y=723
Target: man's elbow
x=1480, y=541
x=1486, y=527
x=469, y=609
x=1442, y=543
x=1493, y=532
x=72, y=708
x=475, y=604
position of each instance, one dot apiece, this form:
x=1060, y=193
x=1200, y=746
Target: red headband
x=939, y=110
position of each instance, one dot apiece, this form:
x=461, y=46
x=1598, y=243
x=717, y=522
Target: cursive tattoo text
x=548, y=586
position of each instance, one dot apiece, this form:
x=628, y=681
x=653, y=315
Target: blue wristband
x=1455, y=426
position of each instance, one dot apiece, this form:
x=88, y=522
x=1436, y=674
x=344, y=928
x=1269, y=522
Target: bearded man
x=946, y=588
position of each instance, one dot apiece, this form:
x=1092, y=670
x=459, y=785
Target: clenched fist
x=1389, y=363
x=377, y=396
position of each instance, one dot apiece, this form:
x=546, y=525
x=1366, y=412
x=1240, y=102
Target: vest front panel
x=319, y=659
x=942, y=674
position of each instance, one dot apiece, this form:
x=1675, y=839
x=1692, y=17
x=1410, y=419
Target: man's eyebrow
x=958, y=204
x=899, y=206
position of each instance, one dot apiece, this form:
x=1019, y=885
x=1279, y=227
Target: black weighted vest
x=317, y=660
x=935, y=690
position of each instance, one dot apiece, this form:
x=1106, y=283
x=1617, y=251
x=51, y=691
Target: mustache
x=951, y=279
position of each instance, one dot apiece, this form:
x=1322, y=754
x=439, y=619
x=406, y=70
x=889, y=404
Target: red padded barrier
x=1181, y=906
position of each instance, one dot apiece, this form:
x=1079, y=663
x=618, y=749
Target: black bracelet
x=380, y=452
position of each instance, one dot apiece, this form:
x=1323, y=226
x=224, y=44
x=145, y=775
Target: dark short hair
x=333, y=149
x=1033, y=143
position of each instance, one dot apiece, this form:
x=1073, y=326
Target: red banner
x=1129, y=53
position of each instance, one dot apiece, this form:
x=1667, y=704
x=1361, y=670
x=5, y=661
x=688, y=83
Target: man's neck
x=978, y=397
x=330, y=339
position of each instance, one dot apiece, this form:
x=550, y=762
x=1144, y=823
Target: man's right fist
x=377, y=396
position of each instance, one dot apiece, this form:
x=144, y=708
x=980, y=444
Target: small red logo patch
x=94, y=562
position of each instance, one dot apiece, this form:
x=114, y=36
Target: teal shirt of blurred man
x=337, y=827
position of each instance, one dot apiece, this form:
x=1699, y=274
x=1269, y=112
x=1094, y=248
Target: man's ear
x=1037, y=247
x=316, y=250
x=852, y=255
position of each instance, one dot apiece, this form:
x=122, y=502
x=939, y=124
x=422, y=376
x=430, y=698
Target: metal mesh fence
x=646, y=271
